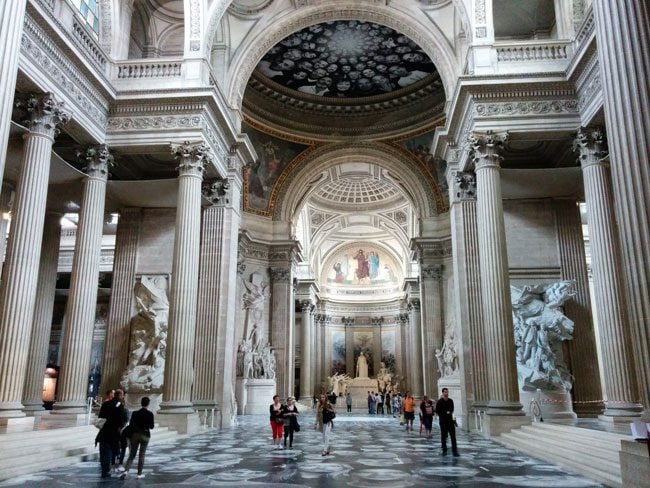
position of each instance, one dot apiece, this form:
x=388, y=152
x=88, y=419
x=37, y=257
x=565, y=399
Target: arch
x=432, y=41
x=297, y=183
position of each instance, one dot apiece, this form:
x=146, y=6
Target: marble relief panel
x=338, y=352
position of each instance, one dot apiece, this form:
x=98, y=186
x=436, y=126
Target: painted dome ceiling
x=345, y=79
x=346, y=59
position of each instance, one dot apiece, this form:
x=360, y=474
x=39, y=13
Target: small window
x=89, y=10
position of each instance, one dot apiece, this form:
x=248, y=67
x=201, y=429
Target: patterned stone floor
x=366, y=452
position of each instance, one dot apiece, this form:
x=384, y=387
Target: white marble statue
x=540, y=328
x=362, y=366
x=145, y=369
x=447, y=356
x=384, y=378
x=253, y=300
x=255, y=362
x=339, y=383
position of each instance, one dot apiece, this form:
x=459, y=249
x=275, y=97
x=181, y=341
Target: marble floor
x=365, y=452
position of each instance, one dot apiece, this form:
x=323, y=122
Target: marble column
x=43, y=309
x=465, y=251
x=6, y=202
x=12, y=16
x=433, y=329
x=623, y=34
x=313, y=379
x=121, y=306
x=305, y=351
x=583, y=356
x=82, y=301
x=216, y=325
x=18, y=289
x=495, y=284
x=282, y=313
x=621, y=391
x=176, y=408
x=415, y=353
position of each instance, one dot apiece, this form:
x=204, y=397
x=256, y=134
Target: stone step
x=603, y=453
x=579, y=462
x=596, y=434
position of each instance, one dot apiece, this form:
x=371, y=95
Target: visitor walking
x=118, y=457
x=445, y=411
x=397, y=404
x=277, y=421
x=371, y=400
x=139, y=433
x=427, y=410
x=290, y=415
x=348, y=401
x=387, y=404
x=408, y=410
x=324, y=422
x=108, y=436
x=380, y=403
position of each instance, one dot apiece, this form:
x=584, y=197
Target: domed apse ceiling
x=346, y=59
x=345, y=79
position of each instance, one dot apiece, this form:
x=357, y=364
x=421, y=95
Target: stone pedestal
x=183, y=423
x=495, y=425
x=359, y=389
x=552, y=404
x=453, y=384
x=17, y=424
x=259, y=395
x=241, y=395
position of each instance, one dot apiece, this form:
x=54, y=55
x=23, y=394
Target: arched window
x=89, y=10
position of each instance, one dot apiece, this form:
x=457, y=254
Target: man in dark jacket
x=109, y=435
x=139, y=435
x=445, y=411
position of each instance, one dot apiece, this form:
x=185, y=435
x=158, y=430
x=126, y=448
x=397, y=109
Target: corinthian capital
x=464, y=186
x=97, y=161
x=432, y=272
x=192, y=158
x=216, y=191
x=591, y=145
x=45, y=113
x=485, y=148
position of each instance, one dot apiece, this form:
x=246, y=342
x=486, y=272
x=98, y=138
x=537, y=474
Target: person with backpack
x=427, y=410
x=324, y=422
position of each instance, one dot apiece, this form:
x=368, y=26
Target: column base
x=16, y=424
x=628, y=411
x=619, y=419
x=495, y=425
x=69, y=419
x=589, y=410
x=33, y=408
x=69, y=407
x=183, y=423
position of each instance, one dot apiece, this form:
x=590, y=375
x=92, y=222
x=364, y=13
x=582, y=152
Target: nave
x=365, y=452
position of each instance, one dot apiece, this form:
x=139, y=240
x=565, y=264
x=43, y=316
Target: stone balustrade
x=538, y=51
x=170, y=68
x=86, y=42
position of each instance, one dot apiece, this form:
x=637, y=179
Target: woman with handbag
x=291, y=425
x=277, y=421
x=324, y=416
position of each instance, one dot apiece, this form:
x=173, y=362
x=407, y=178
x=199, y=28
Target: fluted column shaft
x=43, y=308
x=495, y=280
x=613, y=324
x=415, y=325
x=12, y=15
x=282, y=314
x=179, y=374
x=120, y=311
x=314, y=352
x=82, y=302
x=6, y=200
x=465, y=250
x=19, y=284
x=433, y=329
x=623, y=34
x=305, y=352
x=583, y=356
x=216, y=327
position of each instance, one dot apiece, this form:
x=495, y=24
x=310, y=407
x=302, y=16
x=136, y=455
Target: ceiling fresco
x=346, y=59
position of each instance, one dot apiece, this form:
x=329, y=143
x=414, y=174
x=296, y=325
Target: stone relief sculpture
x=448, y=356
x=146, y=365
x=384, y=378
x=253, y=300
x=540, y=328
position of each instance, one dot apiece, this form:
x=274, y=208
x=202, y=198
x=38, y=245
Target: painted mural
x=365, y=265
x=274, y=155
x=388, y=349
x=362, y=341
x=419, y=147
x=338, y=352
x=345, y=59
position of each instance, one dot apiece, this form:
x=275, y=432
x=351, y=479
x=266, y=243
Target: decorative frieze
x=143, y=123
x=541, y=107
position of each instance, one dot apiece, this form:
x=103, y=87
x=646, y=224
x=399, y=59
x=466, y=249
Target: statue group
x=146, y=366
x=540, y=328
x=447, y=356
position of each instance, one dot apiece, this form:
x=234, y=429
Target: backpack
x=328, y=416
